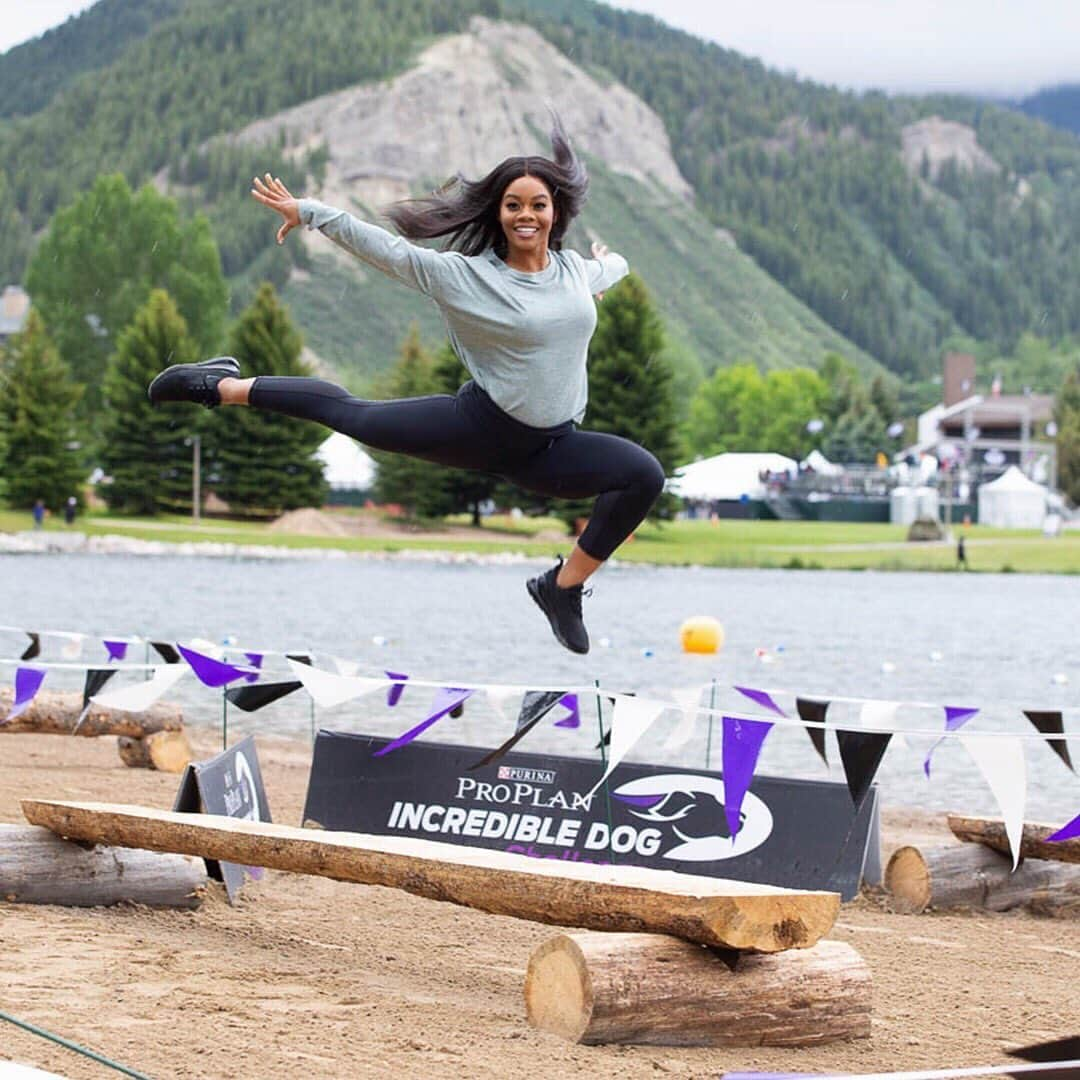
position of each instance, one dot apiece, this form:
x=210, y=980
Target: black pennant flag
x=535, y=705
x=814, y=712
x=861, y=752
x=96, y=678
x=34, y=648
x=253, y=698
x=1050, y=723
x=300, y=658
x=1065, y=1052
x=166, y=651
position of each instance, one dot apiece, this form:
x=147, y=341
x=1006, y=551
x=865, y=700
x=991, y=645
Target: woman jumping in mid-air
x=520, y=314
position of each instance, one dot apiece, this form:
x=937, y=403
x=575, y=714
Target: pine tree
x=630, y=384
x=145, y=450
x=38, y=398
x=263, y=463
x=1067, y=416
x=418, y=486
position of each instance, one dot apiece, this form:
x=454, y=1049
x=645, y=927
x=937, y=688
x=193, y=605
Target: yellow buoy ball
x=702, y=634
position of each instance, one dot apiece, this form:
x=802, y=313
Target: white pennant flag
x=498, y=696
x=1001, y=761
x=688, y=700
x=631, y=719
x=346, y=667
x=73, y=644
x=142, y=695
x=327, y=689
x=879, y=714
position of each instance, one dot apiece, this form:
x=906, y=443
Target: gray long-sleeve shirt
x=524, y=338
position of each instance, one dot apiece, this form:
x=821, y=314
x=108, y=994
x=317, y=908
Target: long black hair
x=468, y=210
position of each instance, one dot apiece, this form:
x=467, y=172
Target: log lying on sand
x=728, y=914
x=57, y=713
x=1033, y=845
x=651, y=988
x=166, y=751
x=37, y=867
x=972, y=876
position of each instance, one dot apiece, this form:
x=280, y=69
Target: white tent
x=817, y=461
x=1012, y=501
x=345, y=465
x=728, y=476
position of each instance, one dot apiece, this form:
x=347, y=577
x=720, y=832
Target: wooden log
x=651, y=988
x=57, y=713
x=166, y=751
x=37, y=867
x=1033, y=843
x=972, y=876
x=729, y=914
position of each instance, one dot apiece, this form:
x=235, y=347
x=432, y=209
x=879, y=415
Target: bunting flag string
x=142, y=695
x=1003, y=768
x=28, y=682
x=1050, y=723
x=742, y=741
x=813, y=713
x=328, y=690
x=253, y=698
x=860, y=754
x=446, y=700
x=211, y=672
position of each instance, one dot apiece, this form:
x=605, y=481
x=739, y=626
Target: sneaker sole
x=534, y=592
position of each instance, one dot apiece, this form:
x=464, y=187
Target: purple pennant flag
x=27, y=683
x=570, y=701
x=760, y=697
x=1067, y=832
x=208, y=671
x=741, y=746
x=255, y=659
x=956, y=716
x=117, y=650
x=393, y=695
x=446, y=699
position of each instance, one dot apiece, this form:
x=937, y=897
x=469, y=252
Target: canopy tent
x=1012, y=501
x=820, y=464
x=728, y=476
x=345, y=464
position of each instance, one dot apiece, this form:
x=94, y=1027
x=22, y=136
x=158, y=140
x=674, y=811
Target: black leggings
x=469, y=431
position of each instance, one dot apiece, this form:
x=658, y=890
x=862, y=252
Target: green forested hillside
x=809, y=180
x=1057, y=105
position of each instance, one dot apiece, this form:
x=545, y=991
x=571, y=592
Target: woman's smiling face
x=526, y=214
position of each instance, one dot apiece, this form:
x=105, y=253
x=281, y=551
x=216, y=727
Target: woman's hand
x=273, y=193
x=598, y=252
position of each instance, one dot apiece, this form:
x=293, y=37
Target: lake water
x=998, y=642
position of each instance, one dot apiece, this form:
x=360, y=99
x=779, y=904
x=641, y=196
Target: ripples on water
x=1002, y=639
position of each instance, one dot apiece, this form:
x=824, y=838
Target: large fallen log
x=729, y=914
x=57, y=713
x=166, y=751
x=972, y=876
x=1033, y=845
x=37, y=867
x=651, y=988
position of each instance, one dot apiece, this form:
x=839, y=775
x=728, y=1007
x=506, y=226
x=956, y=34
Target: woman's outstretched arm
x=431, y=272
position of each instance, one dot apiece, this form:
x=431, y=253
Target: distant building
x=14, y=307
x=988, y=432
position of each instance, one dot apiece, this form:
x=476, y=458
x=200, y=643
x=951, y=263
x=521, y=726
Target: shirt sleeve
x=604, y=272
x=434, y=273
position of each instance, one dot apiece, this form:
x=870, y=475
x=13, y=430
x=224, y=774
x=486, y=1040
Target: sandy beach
x=329, y=979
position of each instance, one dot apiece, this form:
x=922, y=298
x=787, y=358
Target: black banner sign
x=799, y=834
x=229, y=784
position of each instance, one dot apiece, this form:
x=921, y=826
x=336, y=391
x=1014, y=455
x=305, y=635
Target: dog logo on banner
x=693, y=808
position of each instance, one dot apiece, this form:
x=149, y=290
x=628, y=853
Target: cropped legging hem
x=469, y=431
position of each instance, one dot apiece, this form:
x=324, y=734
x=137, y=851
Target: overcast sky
x=1006, y=47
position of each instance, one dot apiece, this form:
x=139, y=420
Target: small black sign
x=229, y=784
x=798, y=834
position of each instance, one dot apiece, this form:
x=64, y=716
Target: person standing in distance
x=520, y=313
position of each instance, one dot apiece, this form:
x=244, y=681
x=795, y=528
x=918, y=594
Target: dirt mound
x=309, y=522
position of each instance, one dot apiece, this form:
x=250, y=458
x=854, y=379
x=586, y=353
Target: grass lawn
x=794, y=545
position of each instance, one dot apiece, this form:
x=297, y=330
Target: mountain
x=1057, y=105
x=891, y=224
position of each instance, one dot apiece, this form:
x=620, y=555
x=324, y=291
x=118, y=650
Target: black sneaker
x=193, y=382
x=562, y=607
